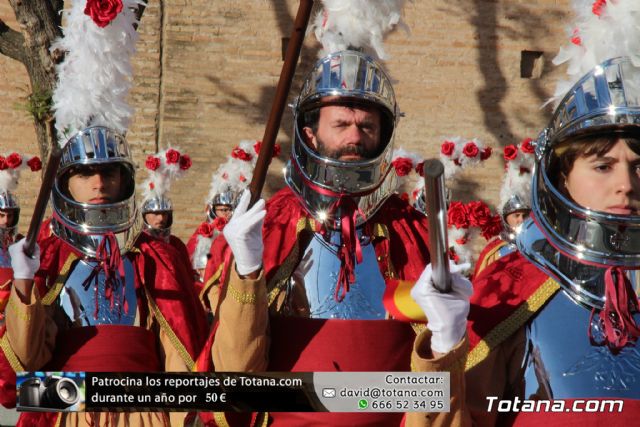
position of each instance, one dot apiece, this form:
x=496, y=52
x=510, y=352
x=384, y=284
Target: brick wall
x=206, y=73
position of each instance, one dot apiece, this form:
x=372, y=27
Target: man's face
x=6, y=218
x=95, y=184
x=346, y=133
x=514, y=219
x=223, y=211
x=157, y=220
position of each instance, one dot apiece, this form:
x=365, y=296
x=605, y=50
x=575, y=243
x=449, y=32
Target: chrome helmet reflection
x=158, y=204
x=9, y=203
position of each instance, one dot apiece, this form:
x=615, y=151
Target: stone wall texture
x=206, y=71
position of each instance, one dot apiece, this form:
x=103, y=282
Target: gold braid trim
x=6, y=285
x=52, y=293
x=10, y=355
x=279, y=280
x=381, y=231
x=265, y=420
x=512, y=323
x=221, y=419
x=242, y=297
x=11, y=306
x=489, y=256
x=164, y=325
x=214, y=278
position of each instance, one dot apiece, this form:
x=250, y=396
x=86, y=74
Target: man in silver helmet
x=9, y=216
x=329, y=248
x=562, y=324
x=97, y=299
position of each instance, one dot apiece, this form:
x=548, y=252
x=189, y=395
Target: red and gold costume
x=489, y=254
x=299, y=343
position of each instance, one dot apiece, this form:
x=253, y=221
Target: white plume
x=359, y=24
x=95, y=77
x=158, y=182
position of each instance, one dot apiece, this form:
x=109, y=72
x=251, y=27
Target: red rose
x=403, y=166
x=405, y=197
x=242, y=178
x=510, y=152
x=205, y=229
x=448, y=148
x=225, y=176
x=486, y=153
x=597, y=7
x=453, y=255
x=492, y=228
x=420, y=168
x=479, y=213
x=173, y=156
x=276, y=150
x=258, y=145
x=219, y=223
x=470, y=149
x=35, y=164
x=152, y=163
x=14, y=160
x=527, y=146
x=457, y=215
x=185, y=162
x=102, y=12
x=3, y=163
x=239, y=153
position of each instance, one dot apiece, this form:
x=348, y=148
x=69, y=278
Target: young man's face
x=157, y=220
x=609, y=183
x=516, y=218
x=100, y=184
x=346, y=133
x=223, y=211
x=6, y=218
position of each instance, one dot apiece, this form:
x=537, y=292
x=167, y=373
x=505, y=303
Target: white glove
x=244, y=234
x=446, y=313
x=23, y=266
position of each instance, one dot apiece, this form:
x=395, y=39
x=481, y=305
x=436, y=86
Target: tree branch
x=11, y=43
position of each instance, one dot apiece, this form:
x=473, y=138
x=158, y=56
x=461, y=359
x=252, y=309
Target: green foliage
x=36, y=104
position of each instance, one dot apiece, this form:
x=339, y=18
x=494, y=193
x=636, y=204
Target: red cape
x=488, y=250
x=396, y=225
x=192, y=243
x=506, y=295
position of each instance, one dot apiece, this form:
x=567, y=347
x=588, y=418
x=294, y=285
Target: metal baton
x=436, y=210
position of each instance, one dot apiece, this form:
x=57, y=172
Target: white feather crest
x=517, y=177
x=596, y=38
x=235, y=174
x=95, y=77
x=359, y=24
x=202, y=250
x=10, y=176
x=158, y=182
x=457, y=160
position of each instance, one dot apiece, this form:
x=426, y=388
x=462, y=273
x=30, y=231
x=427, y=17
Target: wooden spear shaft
x=282, y=91
x=48, y=178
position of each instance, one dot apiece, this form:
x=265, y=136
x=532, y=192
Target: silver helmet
x=228, y=198
x=9, y=203
x=513, y=204
x=349, y=78
x=158, y=204
x=82, y=224
x=572, y=242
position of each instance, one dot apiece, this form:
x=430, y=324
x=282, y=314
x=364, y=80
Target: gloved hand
x=23, y=266
x=446, y=313
x=244, y=234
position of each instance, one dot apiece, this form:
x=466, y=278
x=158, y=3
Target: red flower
x=448, y=148
x=470, y=149
x=276, y=150
x=576, y=40
x=492, y=228
x=242, y=178
x=35, y=164
x=403, y=166
x=152, y=163
x=479, y=213
x=510, y=152
x=258, y=145
x=205, y=229
x=527, y=146
x=225, y=176
x=420, y=168
x=102, y=12
x=219, y=223
x=3, y=163
x=486, y=153
x=453, y=255
x=185, y=162
x=405, y=197
x=598, y=6
x=239, y=153
x=14, y=160
x=457, y=215
x=173, y=156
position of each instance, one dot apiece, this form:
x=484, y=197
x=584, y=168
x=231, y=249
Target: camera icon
x=53, y=392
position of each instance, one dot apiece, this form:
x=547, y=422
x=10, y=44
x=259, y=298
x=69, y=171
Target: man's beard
x=349, y=150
